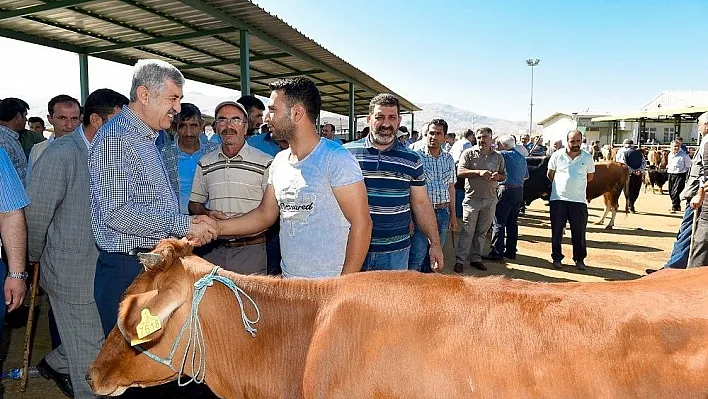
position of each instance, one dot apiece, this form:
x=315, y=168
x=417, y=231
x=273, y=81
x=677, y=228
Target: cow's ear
x=142, y=317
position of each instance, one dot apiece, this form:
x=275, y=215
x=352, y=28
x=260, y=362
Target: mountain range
x=457, y=119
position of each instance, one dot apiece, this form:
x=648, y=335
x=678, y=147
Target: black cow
x=537, y=185
x=656, y=177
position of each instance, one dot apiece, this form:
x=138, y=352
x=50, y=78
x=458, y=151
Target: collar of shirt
x=426, y=151
x=80, y=130
x=242, y=153
x=368, y=143
x=199, y=151
x=143, y=128
x=11, y=132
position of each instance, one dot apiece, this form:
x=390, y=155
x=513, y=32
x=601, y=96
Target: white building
x=557, y=126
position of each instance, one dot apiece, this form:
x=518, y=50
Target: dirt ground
x=638, y=241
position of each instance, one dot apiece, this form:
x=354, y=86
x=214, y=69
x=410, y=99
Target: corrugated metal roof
x=200, y=37
x=687, y=113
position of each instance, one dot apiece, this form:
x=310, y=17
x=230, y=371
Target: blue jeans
x=419, y=258
x=394, y=260
x=679, y=254
x=506, y=222
x=459, y=197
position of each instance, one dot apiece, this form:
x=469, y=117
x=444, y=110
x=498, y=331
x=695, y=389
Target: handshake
x=202, y=230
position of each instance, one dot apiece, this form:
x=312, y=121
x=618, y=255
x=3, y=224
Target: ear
x=143, y=95
x=142, y=317
x=96, y=121
x=298, y=112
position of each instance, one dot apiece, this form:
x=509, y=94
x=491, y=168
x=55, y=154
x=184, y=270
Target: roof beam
x=157, y=40
x=220, y=15
x=234, y=62
x=40, y=41
x=21, y=12
x=336, y=82
x=278, y=76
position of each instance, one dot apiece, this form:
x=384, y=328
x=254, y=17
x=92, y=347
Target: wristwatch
x=18, y=275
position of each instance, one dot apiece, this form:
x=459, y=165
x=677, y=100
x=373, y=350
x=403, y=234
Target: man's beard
x=283, y=130
x=380, y=139
x=574, y=148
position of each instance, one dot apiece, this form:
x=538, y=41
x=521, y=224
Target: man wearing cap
x=634, y=159
x=228, y=182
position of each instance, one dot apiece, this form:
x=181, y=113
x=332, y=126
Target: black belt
x=510, y=186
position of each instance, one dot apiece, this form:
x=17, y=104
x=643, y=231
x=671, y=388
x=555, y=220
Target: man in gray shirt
x=315, y=186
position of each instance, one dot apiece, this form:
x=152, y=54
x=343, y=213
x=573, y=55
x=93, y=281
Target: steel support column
x=413, y=125
x=677, y=126
x=83, y=77
x=245, y=63
x=352, y=116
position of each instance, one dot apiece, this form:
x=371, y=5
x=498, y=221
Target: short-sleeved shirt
x=570, y=181
x=231, y=185
x=473, y=159
x=12, y=191
x=517, y=169
x=313, y=229
x=388, y=175
x=439, y=174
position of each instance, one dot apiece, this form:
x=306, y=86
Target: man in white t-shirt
x=317, y=188
x=570, y=169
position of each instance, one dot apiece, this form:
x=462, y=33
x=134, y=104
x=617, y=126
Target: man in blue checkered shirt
x=133, y=205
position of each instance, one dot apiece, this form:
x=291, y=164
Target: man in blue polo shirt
x=395, y=184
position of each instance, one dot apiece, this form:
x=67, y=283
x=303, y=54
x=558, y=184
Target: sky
x=612, y=56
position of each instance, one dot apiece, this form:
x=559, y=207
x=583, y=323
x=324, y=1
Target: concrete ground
x=638, y=241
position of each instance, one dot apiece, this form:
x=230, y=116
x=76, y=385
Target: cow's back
x=405, y=335
x=610, y=177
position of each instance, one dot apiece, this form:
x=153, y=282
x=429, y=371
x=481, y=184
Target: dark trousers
x=679, y=254
x=699, y=256
x=506, y=222
x=273, y=256
x=634, y=184
x=677, y=181
x=114, y=273
x=577, y=214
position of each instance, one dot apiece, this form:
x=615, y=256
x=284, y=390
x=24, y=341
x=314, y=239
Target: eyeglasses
x=234, y=120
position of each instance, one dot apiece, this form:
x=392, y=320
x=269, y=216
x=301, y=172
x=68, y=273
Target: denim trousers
x=394, y=260
x=679, y=254
x=419, y=258
x=505, y=228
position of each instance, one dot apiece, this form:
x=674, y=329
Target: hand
x=14, y=293
x=486, y=175
x=697, y=201
x=496, y=176
x=202, y=230
x=437, y=260
x=453, y=223
x=411, y=228
x=218, y=215
x=637, y=172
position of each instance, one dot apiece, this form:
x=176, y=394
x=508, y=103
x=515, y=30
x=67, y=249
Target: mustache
x=229, y=131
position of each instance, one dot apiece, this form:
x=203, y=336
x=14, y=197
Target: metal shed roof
x=200, y=37
x=687, y=113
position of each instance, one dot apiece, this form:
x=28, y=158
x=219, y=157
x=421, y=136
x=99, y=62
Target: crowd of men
x=266, y=194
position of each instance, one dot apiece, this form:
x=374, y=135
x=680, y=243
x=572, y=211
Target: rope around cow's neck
x=196, y=335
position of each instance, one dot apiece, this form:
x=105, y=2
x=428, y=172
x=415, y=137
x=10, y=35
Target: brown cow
x=411, y=335
x=609, y=181
x=654, y=157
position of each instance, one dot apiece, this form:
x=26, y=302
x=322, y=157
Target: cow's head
x=159, y=297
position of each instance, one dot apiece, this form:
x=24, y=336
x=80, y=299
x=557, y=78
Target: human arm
x=590, y=169
x=352, y=200
x=14, y=239
x=500, y=174
x=453, y=211
x=254, y=221
x=425, y=218
x=116, y=170
x=46, y=189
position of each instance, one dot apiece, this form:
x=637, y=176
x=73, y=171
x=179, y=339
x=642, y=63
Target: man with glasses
x=228, y=182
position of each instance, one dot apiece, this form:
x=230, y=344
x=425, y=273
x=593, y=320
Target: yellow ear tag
x=148, y=324
x=139, y=341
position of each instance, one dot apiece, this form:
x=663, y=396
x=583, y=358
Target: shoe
x=62, y=380
x=632, y=210
x=510, y=256
x=492, y=257
x=580, y=264
x=478, y=265
x=557, y=264
x=459, y=267
x=650, y=271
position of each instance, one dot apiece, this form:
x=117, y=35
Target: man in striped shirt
x=395, y=184
x=133, y=205
x=229, y=182
x=440, y=177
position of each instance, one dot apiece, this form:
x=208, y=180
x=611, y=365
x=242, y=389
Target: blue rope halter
x=195, y=341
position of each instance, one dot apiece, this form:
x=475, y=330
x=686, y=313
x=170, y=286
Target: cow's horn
x=149, y=259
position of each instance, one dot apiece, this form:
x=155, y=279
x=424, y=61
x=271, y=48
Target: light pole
x=532, y=62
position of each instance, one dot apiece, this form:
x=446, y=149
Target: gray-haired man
x=133, y=205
